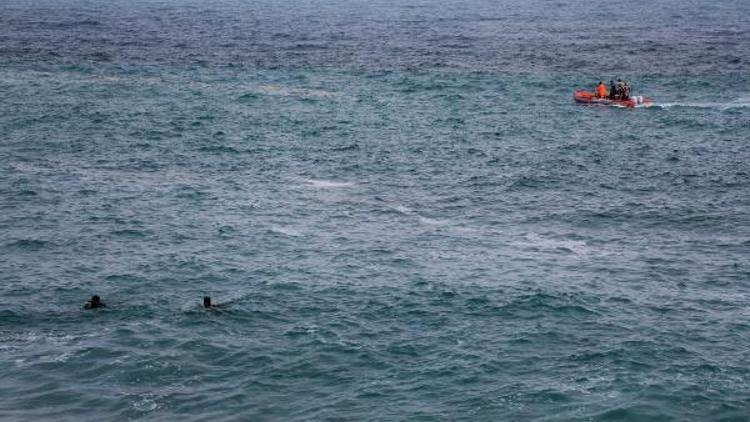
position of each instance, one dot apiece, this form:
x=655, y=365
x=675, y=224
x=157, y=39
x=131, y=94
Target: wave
x=218, y=149
x=291, y=91
x=128, y=233
x=28, y=244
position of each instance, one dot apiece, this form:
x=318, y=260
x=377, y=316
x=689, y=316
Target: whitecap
x=543, y=243
x=287, y=231
x=432, y=221
x=327, y=184
x=145, y=404
x=403, y=209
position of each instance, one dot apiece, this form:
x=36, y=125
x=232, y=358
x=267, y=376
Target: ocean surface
x=405, y=213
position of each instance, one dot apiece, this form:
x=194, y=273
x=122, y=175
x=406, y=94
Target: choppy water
x=408, y=214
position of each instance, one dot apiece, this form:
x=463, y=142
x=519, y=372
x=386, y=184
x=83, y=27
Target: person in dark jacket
x=620, y=88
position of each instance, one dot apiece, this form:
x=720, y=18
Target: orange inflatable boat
x=586, y=97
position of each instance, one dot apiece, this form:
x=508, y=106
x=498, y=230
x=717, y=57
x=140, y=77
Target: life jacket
x=601, y=91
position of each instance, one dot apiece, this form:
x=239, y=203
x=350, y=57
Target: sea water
x=405, y=213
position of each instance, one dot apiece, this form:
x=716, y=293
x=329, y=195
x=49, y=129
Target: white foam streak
x=327, y=184
x=290, y=91
x=543, y=243
x=739, y=103
x=285, y=231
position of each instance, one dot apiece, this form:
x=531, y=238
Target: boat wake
x=739, y=103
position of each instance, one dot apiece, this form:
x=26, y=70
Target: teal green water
x=404, y=210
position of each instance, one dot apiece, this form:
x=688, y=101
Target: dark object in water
x=94, y=302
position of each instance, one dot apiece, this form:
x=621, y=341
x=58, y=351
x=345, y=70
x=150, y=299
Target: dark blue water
x=406, y=213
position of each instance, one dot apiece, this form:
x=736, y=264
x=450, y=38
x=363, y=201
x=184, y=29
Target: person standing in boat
x=601, y=90
x=620, y=89
x=625, y=91
x=612, y=89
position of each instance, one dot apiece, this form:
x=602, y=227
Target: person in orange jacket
x=601, y=90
